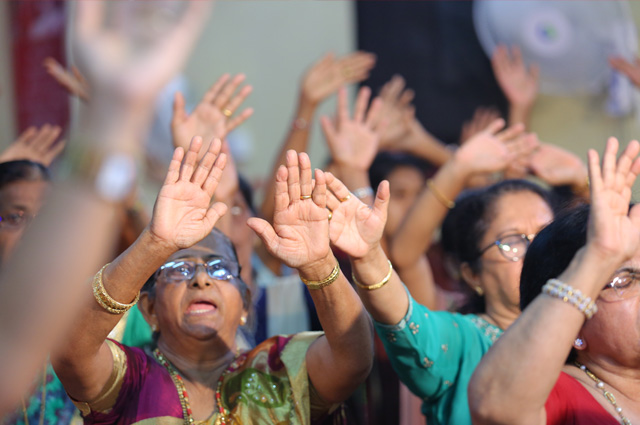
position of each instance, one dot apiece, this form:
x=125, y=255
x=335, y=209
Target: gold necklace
x=43, y=400
x=610, y=397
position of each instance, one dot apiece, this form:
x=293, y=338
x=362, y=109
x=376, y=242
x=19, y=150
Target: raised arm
x=322, y=80
x=631, y=69
x=38, y=145
x=543, y=335
x=487, y=152
x=338, y=362
x=559, y=167
x=182, y=216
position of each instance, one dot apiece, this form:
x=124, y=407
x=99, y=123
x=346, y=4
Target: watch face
x=116, y=177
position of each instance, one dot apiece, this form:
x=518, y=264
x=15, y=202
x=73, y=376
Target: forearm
x=418, y=279
x=541, y=339
x=298, y=140
x=423, y=145
x=414, y=236
x=520, y=114
x=339, y=363
x=389, y=304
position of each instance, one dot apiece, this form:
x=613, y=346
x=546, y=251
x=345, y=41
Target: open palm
x=300, y=232
x=183, y=214
x=355, y=228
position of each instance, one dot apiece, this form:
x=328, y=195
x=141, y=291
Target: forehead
x=23, y=194
x=522, y=211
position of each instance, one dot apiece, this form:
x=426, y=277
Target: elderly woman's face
x=201, y=306
x=515, y=213
x=613, y=333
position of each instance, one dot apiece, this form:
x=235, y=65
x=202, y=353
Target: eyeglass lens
x=513, y=247
x=623, y=286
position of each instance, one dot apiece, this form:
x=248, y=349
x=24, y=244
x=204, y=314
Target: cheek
x=8, y=241
x=503, y=276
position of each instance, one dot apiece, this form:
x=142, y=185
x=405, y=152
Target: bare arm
x=338, y=362
x=542, y=337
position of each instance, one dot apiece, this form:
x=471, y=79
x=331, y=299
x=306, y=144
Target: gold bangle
x=319, y=284
x=105, y=300
x=377, y=285
x=439, y=196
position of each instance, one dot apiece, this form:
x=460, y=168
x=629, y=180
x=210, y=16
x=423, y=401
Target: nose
x=201, y=278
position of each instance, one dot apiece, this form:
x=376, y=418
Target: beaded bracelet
x=105, y=300
x=566, y=293
x=319, y=284
x=375, y=286
x=439, y=196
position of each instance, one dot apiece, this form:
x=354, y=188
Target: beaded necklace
x=610, y=397
x=43, y=400
x=187, y=413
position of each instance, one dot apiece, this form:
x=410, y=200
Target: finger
x=45, y=139
x=361, y=104
x=595, y=173
x=395, y=87
x=333, y=203
x=329, y=131
x=305, y=174
x=406, y=98
x=381, y=203
x=266, y=233
x=173, y=174
x=215, y=89
x=26, y=136
x=293, y=179
x=179, y=112
x=336, y=186
x=282, y=189
x=239, y=119
x=213, y=179
x=215, y=211
x=374, y=114
x=53, y=153
x=624, y=163
x=227, y=91
x=495, y=126
x=204, y=167
x=343, y=108
x=633, y=172
x=609, y=162
x=239, y=98
x=516, y=56
x=511, y=132
x=189, y=162
x=320, y=189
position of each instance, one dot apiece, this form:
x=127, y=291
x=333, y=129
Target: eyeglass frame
x=635, y=280
x=230, y=276
x=498, y=242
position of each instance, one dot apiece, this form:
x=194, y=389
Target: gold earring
x=478, y=290
x=243, y=320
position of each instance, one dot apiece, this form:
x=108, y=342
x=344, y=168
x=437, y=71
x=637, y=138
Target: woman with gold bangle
x=196, y=373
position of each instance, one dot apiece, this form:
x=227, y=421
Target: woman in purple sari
x=195, y=301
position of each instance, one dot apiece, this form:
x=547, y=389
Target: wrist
x=319, y=269
x=589, y=269
x=306, y=107
x=156, y=244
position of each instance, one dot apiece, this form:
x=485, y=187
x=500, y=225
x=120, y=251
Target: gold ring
x=227, y=112
x=346, y=198
x=303, y=197
x=330, y=215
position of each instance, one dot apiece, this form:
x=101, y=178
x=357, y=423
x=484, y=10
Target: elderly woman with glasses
x=573, y=356
x=489, y=230
x=195, y=300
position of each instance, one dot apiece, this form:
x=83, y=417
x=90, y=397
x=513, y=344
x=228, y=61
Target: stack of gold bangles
x=105, y=300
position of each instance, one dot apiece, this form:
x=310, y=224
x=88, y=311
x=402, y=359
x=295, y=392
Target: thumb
x=179, y=113
x=216, y=211
x=381, y=203
x=265, y=232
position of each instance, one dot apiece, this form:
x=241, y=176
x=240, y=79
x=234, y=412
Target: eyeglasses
x=183, y=270
x=512, y=247
x=15, y=220
x=624, y=285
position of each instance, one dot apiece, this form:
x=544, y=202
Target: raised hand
x=113, y=67
x=481, y=119
x=299, y=236
x=38, y=145
x=327, y=75
x=71, y=80
x=397, y=111
x=612, y=231
x=353, y=142
x=183, y=214
x=630, y=69
x=212, y=118
x=519, y=84
x=557, y=166
x=355, y=228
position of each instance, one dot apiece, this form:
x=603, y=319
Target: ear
x=146, y=305
x=471, y=278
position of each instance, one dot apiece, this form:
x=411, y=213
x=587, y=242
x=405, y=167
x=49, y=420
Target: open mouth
x=201, y=307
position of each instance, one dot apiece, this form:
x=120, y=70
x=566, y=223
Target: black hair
x=386, y=162
x=247, y=192
x=466, y=224
x=22, y=170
